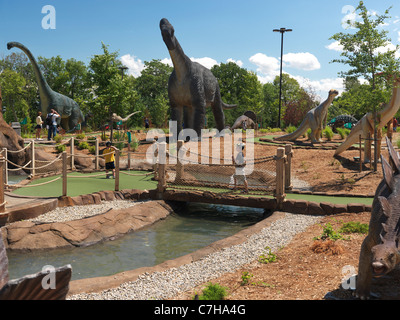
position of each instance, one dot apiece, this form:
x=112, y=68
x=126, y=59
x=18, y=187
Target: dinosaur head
x=168, y=34
x=11, y=45
x=384, y=258
x=333, y=93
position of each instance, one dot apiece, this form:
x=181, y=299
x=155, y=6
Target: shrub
x=60, y=148
x=80, y=136
x=267, y=257
x=290, y=129
x=354, y=227
x=92, y=149
x=83, y=145
x=213, y=292
x=58, y=139
x=328, y=133
x=342, y=132
x=135, y=143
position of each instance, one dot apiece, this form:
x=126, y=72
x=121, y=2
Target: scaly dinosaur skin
x=69, y=110
x=365, y=126
x=191, y=87
x=379, y=251
x=314, y=119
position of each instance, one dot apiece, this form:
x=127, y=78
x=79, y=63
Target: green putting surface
x=78, y=186
x=87, y=184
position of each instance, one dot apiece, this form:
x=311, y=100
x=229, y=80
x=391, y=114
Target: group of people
x=51, y=124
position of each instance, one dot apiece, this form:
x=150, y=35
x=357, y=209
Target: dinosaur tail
x=228, y=106
x=352, y=138
x=294, y=135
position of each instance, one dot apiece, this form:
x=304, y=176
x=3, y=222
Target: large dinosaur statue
x=365, y=126
x=191, y=87
x=314, y=119
x=69, y=110
x=380, y=249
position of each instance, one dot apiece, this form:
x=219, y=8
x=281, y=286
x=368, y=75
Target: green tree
x=13, y=88
x=152, y=88
x=238, y=86
x=108, y=89
x=365, y=52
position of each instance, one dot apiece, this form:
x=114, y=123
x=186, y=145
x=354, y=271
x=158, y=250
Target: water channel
x=195, y=227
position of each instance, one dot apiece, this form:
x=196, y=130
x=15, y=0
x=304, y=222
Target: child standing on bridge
x=109, y=157
x=240, y=176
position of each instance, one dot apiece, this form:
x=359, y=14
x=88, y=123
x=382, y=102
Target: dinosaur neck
x=44, y=89
x=390, y=109
x=180, y=60
x=325, y=105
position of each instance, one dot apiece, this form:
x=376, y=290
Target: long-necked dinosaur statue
x=191, y=87
x=116, y=117
x=365, y=126
x=69, y=110
x=380, y=249
x=314, y=120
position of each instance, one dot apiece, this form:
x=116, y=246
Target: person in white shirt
x=52, y=127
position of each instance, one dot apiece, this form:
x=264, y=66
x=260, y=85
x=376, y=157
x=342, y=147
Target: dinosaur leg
x=177, y=115
x=218, y=111
x=364, y=277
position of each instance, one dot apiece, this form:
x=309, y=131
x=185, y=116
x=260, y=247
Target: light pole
x=282, y=31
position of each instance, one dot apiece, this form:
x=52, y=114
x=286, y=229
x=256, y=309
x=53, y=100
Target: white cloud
x=135, y=65
x=301, y=60
x=267, y=67
x=335, y=46
x=238, y=62
x=167, y=61
x=206, y=61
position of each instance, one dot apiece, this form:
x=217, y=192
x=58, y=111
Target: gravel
x=166, y=284
x=64, y=214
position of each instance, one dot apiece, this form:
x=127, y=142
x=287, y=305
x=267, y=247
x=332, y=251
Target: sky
x=209, y=31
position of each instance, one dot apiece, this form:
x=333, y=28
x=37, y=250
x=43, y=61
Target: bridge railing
x=270, y=175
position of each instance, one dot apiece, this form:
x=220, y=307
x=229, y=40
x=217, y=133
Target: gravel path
x=64, y=214
x=166, y=284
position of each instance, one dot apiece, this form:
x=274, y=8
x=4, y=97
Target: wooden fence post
x=117, y=170
x=179, y=164
x=96, y=152
x=288, y=167
x=33, y=171
x=2, y=201
x=72, y=151
x=64, y=173
x=280, y=177
x=5, y=166
x=162, y=148
x=129, y=156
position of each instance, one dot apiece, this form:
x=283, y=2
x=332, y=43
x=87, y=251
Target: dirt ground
x=298, y=272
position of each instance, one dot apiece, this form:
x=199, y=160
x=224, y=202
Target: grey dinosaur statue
x=243, y=122
x=191, y=87
x=314, y=120
x=365, y=126
x=69, y=110
x=380, y=249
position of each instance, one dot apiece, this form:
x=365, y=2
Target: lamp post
x=282, y=31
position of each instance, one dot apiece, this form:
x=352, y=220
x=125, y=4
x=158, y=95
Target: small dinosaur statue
x=116, y=117
x=314, y=119
x=69, y=110
x=191, y=87
x=365, y=126
x=380, y=249
x=249, y=123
